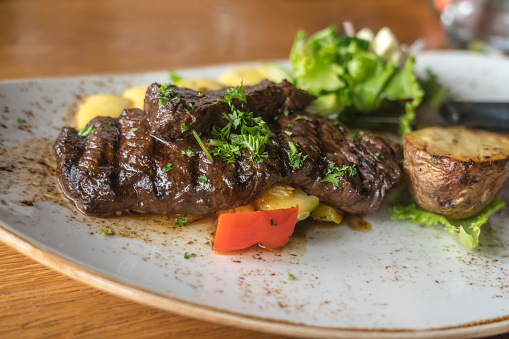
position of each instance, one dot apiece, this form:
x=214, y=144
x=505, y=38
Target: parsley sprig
x=85, y=131
x=243, y=132
x=181, y=221
x=165, y=94
x=334, y=173
x=190, y=153
x=295, y=158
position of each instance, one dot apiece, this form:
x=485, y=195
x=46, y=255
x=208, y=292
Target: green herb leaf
x=202, y=178
x=167, y=167
x=202, y=145
x=106, y=231
x=290, y=276
x=19, y=120
x=165, y=93
x=190, y=153
x=134, y=129
x=465, y=232
x=334, y=173
x=243, y=132
x=234, y=93
x=189, y=256
x=85, y=131
x=288, y=133
x=183, y=128
x=379, y=156
x=181, y=221
x=295, y=158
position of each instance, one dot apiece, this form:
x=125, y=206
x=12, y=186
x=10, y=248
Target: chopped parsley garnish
x=188, y=107
x=202, y=145
x=28, y=158
x=134, y=129
x=243, y=132
x=352, y=135
x=202, y=178
x=290, y=276
x=106, y=231
x=334, y=173
x=234, y=93
x=286, y=111
x=295, y=157
x=379, y=156
x=85, y=131
x=190, y=153
x=189, y=255
x=199, y=94
x=183, y=127
x=298, y=117
x=288, y=133
x=167, y=167
x=181, y=221
x=290, y=125
x=19, y=120
x=165, y=93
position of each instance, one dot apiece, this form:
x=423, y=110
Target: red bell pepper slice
x=237, y=231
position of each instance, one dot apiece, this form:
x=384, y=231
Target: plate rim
x=206, y=313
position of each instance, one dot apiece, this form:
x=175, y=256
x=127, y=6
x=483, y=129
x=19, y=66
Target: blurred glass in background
x=481, y=25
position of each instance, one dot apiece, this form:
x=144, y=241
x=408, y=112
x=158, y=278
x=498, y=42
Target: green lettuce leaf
x=345, y=75
x=465, y=232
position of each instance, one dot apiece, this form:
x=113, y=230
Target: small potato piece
x=136, y=95
x=100, y=105
x=454, y=171
x=200, y=84
x=246, y=76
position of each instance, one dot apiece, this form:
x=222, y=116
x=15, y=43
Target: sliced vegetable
x=237, y=231
x=284, y=196
x=326, y=213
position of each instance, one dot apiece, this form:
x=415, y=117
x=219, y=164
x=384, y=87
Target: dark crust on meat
x=196, y=110
x=123, y=163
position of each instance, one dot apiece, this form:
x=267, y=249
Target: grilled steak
x=143, y=161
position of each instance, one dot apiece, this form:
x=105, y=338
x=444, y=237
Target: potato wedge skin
x=454, y=185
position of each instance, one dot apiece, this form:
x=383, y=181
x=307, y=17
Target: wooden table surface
x=45, y=38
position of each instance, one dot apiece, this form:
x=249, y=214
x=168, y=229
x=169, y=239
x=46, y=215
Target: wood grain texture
x=47, y=38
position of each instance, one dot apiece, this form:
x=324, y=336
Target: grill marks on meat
x=121, y=164
x=196, y=110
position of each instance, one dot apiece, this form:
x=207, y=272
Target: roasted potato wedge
x=455, y=171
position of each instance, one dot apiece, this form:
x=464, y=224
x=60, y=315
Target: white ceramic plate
x=397, y=280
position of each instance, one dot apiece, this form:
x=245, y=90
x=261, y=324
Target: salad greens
x=465, y=232
x=347, y=76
